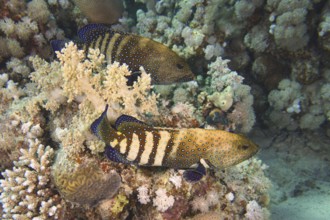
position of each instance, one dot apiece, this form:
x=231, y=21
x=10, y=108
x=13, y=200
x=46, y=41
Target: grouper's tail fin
x=100, y=125
x=58, y=45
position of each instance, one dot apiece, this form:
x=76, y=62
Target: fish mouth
x=257, y=150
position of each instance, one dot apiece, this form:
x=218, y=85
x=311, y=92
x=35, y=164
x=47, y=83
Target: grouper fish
x=194, y=149
x=163, y=64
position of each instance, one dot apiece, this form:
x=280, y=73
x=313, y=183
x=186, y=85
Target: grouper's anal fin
x=113, y=155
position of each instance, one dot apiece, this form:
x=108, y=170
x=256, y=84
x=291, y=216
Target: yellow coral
x=223, y=100
x=120, y=202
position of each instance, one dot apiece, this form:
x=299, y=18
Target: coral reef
x=92, y=92
x=52, y=102
x=234, y=99
x=119, y=190
x=50, y=94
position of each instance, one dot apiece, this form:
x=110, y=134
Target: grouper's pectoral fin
x=195, y=173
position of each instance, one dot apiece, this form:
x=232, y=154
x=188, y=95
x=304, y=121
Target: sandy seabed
x=299, y=168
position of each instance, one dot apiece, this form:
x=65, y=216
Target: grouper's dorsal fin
x=90, y=32
x=129, y=121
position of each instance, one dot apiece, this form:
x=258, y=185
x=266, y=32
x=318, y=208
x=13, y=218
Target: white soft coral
x=162, y=201
x=143, y=194
x=255, y=212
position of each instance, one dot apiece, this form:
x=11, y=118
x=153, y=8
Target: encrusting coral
x=307, y=104
x=75, y=181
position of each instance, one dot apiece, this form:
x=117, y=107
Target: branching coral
x=27, y=192
x=88, y=78
x=17, y=124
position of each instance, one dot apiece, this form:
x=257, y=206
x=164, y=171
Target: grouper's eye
x=180, y=66
x=244, y=147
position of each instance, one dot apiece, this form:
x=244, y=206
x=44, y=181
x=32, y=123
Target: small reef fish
x=163, y=64
x=194, y=149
